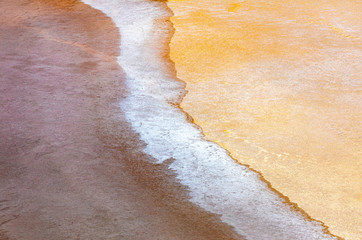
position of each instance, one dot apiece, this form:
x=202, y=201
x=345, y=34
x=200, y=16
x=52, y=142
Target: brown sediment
x=70, y=165
x=275, y=83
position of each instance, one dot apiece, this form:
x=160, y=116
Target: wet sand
x=70, y=165
x=277, y=84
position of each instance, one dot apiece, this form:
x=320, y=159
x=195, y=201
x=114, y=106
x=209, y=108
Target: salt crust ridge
x=215, y=181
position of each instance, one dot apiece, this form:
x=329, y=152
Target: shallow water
x=278, y=84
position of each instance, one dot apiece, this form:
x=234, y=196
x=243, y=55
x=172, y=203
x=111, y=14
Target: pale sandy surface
x=278, y=84
x=70, y=167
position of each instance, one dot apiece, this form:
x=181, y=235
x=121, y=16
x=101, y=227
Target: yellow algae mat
x=278, y=84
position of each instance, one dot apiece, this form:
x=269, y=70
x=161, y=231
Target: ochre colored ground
x=278, y=84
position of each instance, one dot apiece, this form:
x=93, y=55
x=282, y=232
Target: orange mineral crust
x=278, y=84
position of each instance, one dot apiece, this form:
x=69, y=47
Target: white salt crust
x=215, y=181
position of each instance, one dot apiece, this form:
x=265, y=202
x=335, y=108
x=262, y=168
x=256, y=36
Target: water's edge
x=216, y=182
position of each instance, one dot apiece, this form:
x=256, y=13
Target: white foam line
x=216, y=182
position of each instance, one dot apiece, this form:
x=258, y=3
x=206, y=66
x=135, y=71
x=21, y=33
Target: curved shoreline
x=71, y=166
x=222, y=48
x=284, y=198
x=154, y=129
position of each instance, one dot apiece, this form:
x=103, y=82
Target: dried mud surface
x=70, y=165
